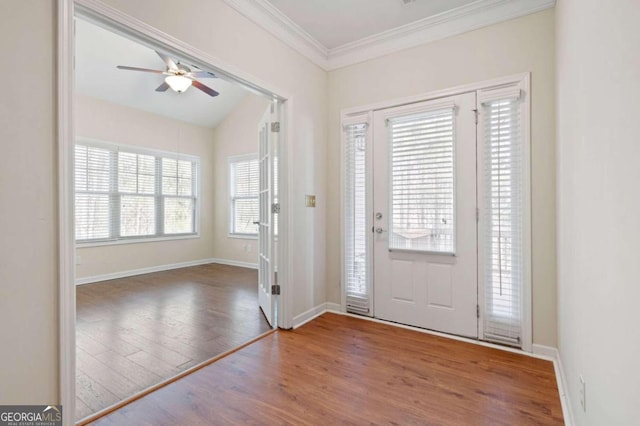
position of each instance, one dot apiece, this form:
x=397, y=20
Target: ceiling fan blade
x=167, y=60
x=163, y=87
x=122, y=67
x=202, y=74
x=204, y=88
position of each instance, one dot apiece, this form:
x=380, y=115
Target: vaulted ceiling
x=99, y=51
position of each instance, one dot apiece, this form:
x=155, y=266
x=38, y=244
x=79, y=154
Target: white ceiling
x=338, y=33
x=337, y=22
x=98, y=51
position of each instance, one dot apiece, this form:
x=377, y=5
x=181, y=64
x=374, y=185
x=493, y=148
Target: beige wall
x=217, y=29
x=28, y=249
x=236, y=135
x=222, y=32
x=28, y=177
x=109, y=122
x=516, y=46
x=598, y=207
x=28, y=207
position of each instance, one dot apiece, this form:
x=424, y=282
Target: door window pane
x=244, y=189
x=422, y=182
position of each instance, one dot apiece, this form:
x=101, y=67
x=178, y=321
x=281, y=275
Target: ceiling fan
x=179, y=77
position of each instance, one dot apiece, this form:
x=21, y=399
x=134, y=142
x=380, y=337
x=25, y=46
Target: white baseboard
x=160, y=268
x=309, y=315
x=134, y=272
x=315, y=312
x=235, y=263
x=563, y=390
x=334, y=307
x=554, y=355
x=546, y=351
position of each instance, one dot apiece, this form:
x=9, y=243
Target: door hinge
x=275, y=289
x=275, y=126
x=477, y=311
x=476, y=112
x=275, y=208
x=477, y=215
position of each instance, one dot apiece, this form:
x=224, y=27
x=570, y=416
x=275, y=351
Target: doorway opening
x=173, y=180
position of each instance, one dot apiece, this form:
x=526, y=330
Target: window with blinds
x=136, y=192
x=124, y=193
x=422, y=183
x=244, y=187
x=503, y=223
x=93, y=211
x=177, y=191
x=356, y=256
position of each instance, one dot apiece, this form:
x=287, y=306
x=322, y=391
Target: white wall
x=28, y=176
x=516, y=46
x=236, y=135
x=28, y=207
x=598, y=70
x=109, y=122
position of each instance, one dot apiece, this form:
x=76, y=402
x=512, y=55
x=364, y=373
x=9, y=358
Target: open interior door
x=267, y=144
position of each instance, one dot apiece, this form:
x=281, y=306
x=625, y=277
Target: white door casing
x=423, y=286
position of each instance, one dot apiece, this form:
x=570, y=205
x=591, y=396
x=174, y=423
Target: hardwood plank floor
x=343, y=370
x=135, y=332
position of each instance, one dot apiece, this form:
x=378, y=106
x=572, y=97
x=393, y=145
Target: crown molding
x=278, y=24
x=480, y=13
x=456, y=21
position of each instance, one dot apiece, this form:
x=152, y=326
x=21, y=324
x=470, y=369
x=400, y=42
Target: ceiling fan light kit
x=179, y=77
x=178, y=83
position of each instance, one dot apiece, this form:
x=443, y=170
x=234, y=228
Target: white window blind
x=503, y=227
x=356, y=258
x=136, y=190
x=178, y=195
x=422, y=182
x=244, y=187
x=93, y=169
x=124, y=192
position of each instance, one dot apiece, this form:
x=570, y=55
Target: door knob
x=378, y=215
x=379, y=230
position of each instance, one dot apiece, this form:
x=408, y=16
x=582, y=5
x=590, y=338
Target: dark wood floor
x=135, y=332
x=343, y=370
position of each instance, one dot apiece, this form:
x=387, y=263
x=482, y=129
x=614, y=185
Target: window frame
x=496, y=93
x=231, y=162
x=353, y=302
x=159, y=197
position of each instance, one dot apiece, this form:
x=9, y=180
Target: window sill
x=136, y=241
x=243, y=236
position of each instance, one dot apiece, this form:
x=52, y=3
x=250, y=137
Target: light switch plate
x=310, y=200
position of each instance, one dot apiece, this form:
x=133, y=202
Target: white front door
x=424, y=215
x=267, y=141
